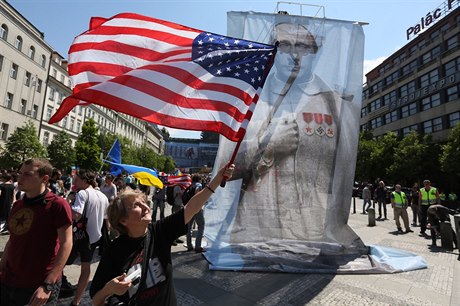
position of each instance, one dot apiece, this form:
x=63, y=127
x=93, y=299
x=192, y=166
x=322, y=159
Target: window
x=72, y=123
x=363, y=112
x=391, y=116
x=1, y=62
x=78, y=126
x=429, y=78
x=49, y=112
x=4, y=32
x=9, y=100
x=39, y=85
x=28, y=79
x=18, y=43
x=60, y=97
x=374, y=105
x=31, y=52
x=391, y=78
x=14, y=71
x=4, y=131
x=377, y=122
x=432, y=125
x=64, y=122
x=62, y=78
x=407, y=89
x=452, y=66
x=51, y=94
x=35, y=111
x=408, y=129
x=454, y=119
x=452, y=93
x=80, y=110
x=452, y=42
x=389, y=98
x=23, y=106
x=409, y=68
x=43, y=61
x=46, y=138
x=54, y=73
x=431, y=55
x=431, y=101
x=376, y=87
x=408, y=110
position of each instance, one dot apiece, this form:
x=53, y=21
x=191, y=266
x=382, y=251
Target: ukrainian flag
x=146, y=176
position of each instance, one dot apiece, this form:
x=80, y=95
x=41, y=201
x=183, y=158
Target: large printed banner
x=287, y=205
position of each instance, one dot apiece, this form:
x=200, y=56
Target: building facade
x=417, y=87
x=34, y=81
x=191, y=155
x=24, y=66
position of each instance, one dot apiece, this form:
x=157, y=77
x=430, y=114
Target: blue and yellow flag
x=146, y=176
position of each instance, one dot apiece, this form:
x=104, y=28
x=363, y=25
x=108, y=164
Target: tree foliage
x=210, y=137
x=450, y=158
x=60, y=151
x=21, y=145
x=87, y=148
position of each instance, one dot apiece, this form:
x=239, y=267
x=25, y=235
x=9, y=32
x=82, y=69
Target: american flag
x=167, y=74
x=182, y=180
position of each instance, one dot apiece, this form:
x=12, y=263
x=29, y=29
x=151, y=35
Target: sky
x=62, y=20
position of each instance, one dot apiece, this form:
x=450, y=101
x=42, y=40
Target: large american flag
x=167, y=74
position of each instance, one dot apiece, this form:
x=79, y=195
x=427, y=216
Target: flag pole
x=108, y=153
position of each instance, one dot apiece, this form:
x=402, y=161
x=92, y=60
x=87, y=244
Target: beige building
x=34, y=81
x=417, y=88
x=24, y=65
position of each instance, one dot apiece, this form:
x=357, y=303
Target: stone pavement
x=439, y=284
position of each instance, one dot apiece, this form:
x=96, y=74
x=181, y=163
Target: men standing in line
x=96, y=204
x=381, y=194
x=399, y=204
x=40, y=240
x=429, y=195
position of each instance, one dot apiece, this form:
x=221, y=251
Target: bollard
x=457, y=228
x=371, y=216
x=354, y=205
x=446, y=236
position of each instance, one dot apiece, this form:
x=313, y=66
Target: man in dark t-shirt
x=40, y=240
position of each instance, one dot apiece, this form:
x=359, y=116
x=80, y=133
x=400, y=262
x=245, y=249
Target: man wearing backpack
x=198, y=218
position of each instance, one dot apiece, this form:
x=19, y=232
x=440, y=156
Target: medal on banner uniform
x=329, y=130
x=319, y=130
x=308, y=118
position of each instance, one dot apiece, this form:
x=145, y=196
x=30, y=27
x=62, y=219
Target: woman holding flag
x=137, y=269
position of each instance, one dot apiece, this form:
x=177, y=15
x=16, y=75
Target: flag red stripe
x=121, y=105
x=117, y=47
x=174, y=98
x=192, y=81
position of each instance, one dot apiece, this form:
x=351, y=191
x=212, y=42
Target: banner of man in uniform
x=287, y=205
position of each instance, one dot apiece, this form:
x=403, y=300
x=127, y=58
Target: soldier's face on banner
x=296, y=50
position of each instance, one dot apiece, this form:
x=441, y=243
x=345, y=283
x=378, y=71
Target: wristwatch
x=48, y=287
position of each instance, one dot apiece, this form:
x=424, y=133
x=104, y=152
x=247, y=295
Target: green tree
x=61, y=152
x=365, y=165
x=165, y=133
x=383, y=156
x=22, y=145
x=449, y=159
x=87, y=148
x=210, y=137
x=408, y=161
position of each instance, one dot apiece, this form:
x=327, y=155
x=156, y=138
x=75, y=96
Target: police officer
x=399, y=204
x=429, y=195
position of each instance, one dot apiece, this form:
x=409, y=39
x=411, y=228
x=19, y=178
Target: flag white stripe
x=149, y=102
x=149, y=25
x=132, y=40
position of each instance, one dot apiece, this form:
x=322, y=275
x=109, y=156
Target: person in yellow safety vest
x=399, y=204
x=442, y=196
x=452, y=196
x=429, y=195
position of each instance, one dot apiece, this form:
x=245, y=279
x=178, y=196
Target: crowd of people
x=426, y=205
x=42, y=210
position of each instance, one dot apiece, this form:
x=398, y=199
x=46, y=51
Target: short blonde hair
x=117, y=211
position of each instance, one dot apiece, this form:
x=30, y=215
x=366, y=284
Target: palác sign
x=431, y=18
